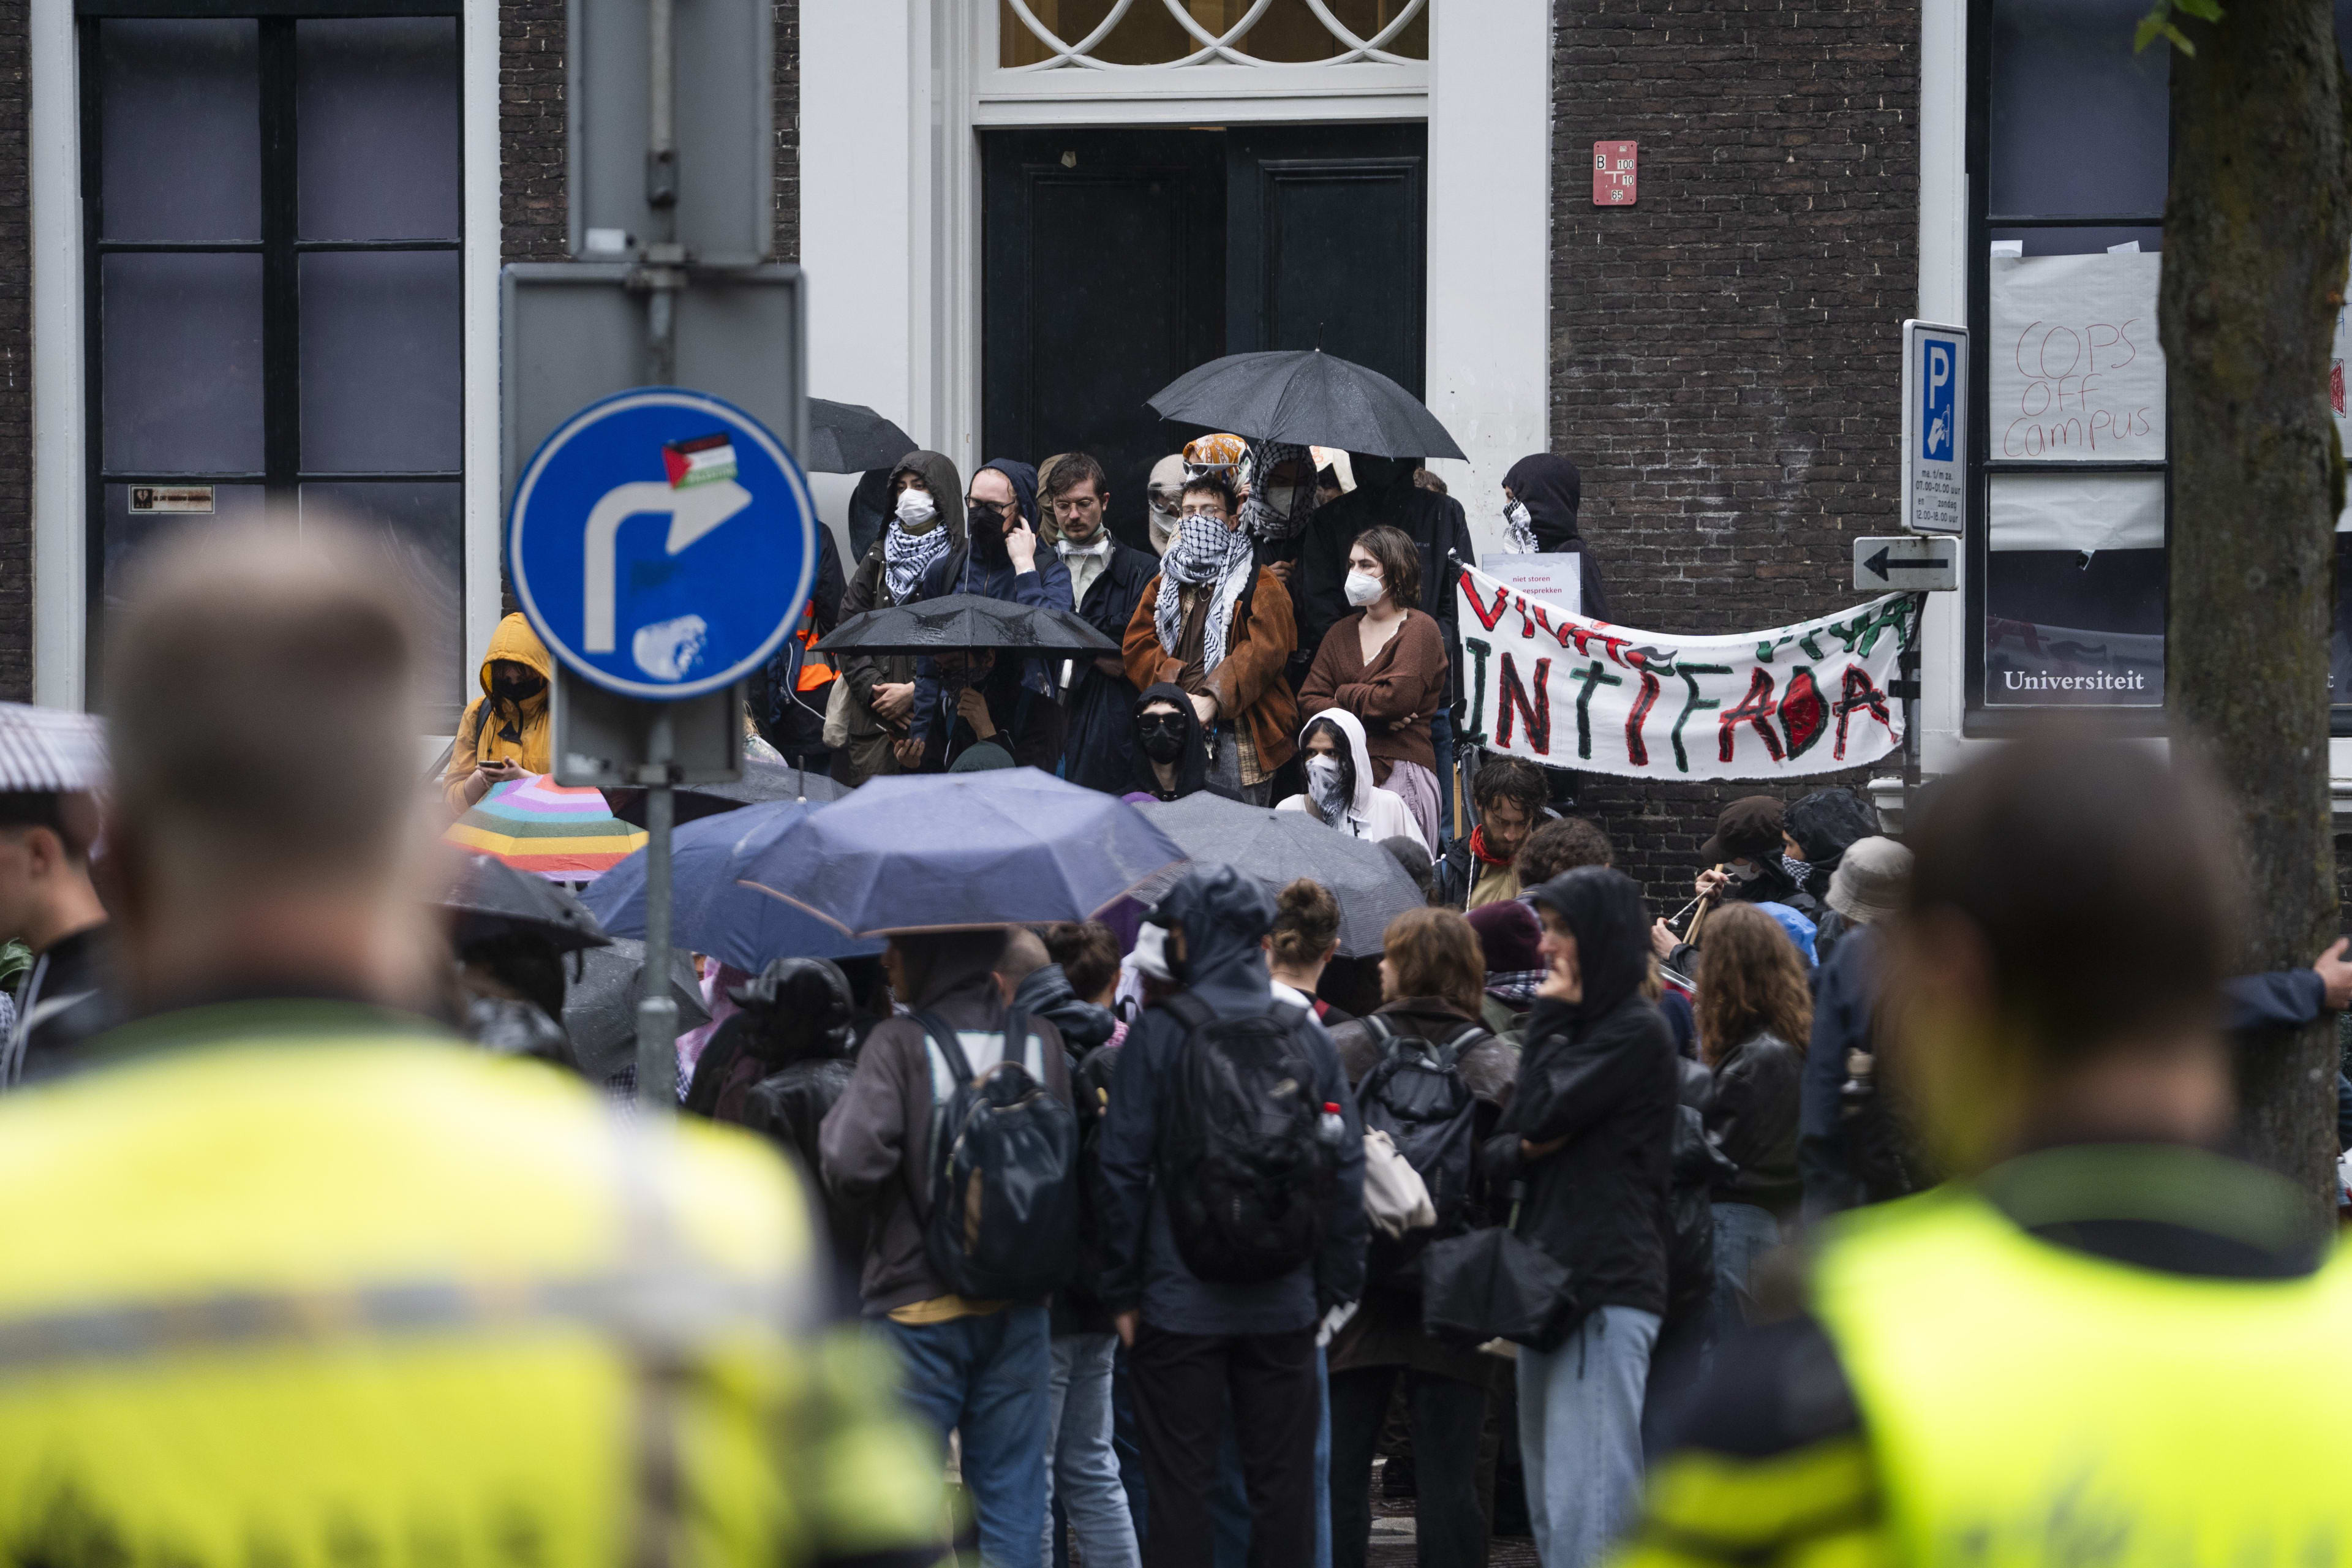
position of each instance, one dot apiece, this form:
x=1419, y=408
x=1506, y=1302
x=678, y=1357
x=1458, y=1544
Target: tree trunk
x=2255, y=243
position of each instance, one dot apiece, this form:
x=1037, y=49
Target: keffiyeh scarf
x=1207, y=554
x=1261, y=522
x=906, y=557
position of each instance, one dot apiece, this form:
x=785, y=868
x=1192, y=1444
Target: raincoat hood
x=1192, y=765
x=1824, y=821
x=1359, y=754
x=1046, y=994
x=940, y=477
x=1551, y=489
x=1024, y=480
x=515, y=642
x=1224, y=914
x=1603, y=909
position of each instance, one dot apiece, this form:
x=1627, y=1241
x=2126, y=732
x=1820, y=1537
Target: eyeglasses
x=1006, y=507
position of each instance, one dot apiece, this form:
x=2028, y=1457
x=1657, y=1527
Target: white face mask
x=1364, y=590
x=1323, y=783
x=916, y=511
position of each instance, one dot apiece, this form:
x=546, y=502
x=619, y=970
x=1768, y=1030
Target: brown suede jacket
x=1249, y=685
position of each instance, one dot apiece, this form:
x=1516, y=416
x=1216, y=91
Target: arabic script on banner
x=1571, y=693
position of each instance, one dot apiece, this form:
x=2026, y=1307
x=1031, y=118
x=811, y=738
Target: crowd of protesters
x=1258, y=1183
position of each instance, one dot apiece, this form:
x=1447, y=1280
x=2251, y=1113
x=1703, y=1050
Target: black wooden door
x=1327, y=243
x=1104, y=279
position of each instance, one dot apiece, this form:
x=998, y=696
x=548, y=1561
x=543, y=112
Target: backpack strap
x=1190, y=1011
x=1458, y=1045
x=1384, y=1036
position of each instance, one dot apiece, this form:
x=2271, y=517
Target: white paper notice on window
x=2338, y=365
x=2077, y=372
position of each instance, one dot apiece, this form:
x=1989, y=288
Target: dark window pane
x=381, y=380
x=182, y=362
x=377, y=119
x=127, y=531
x=420, y=530
x=2339, y=648
x=2078, y=121
x=181, y=129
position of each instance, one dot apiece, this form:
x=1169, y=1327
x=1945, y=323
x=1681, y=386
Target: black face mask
x=515, y=686
x=1162, y=736
x=987, y=528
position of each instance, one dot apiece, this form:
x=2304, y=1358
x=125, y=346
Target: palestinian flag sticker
x=700, y=461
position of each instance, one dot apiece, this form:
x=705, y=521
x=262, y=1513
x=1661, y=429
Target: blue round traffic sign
x=662, y=543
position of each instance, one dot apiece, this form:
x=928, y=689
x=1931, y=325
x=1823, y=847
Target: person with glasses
x=1107, y=579
x=956, y=704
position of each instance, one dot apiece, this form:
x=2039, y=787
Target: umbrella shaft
x=656, y=1009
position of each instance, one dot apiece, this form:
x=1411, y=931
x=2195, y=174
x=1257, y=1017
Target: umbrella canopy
x=600, y=1008
x=1278, y=847
x=849, y=438
x=538, y=826
x=761, y=781
x=943, y=851
x=713, y=913
x=1308, y=398
x=44, y=749
x=963, y=623
x=489, y=897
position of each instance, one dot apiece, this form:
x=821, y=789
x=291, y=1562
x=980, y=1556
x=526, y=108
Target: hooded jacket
x=875, y=1143
x=1223, y=914
x=869, y=738
x=1384, y=493
x=1597, y=1077
x=1047, y=586
x=1552, y=491
x=1192, y=764
x=1376, y=813
x=495, y=731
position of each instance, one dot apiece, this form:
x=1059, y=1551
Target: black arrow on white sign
x=1882, y=567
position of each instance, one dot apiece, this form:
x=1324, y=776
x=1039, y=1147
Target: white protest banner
x=1571, y=693
x=2077, y=372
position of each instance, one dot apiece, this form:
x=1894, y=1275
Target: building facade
x=249, y=252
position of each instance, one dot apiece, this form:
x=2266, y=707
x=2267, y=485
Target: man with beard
x=1107, y=579
x=1001, y=559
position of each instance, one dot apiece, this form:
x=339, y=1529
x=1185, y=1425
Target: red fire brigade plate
x=1613, y=173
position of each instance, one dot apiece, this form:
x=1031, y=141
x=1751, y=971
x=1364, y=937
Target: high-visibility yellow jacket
x=312, y=1286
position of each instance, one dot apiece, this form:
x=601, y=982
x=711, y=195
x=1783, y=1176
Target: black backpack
x=1417, y=1095
x=1244, y=1168
x=1003, y=1222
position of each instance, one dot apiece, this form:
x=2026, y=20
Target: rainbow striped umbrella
x=538, y=825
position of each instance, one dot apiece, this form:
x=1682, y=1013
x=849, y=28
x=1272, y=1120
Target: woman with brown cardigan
x=1386, y=664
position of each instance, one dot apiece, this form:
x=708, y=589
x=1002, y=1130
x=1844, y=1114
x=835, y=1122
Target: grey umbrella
x=1307, y=398
x=600, y=1009
x=489, y=897
x=1278, y=847
x=763, y=780
x=849, y=438
x=963, y=623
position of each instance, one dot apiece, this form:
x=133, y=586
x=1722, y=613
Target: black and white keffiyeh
x=1262, y=520
x=907, y=556
x=1206, y=554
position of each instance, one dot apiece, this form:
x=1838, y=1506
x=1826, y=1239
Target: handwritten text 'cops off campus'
x=2060, y=407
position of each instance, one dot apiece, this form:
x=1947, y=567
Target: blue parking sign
x=1935, y=438
x=661, y=542
x=1938, y=411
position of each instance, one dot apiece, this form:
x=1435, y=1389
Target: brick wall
x=1724, y=354
x=531, y=212
x=15, y=363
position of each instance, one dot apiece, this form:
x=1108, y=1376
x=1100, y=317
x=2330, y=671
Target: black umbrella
x=1307, y=398
x=1278, y=847
x=490, y=898
x=600, y=1008
x=763, y=780
x=849, y=438
x=963, y=623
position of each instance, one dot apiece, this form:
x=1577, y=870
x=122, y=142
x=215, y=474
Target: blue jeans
x=1229, y=1504
x=1581, y=1435
x=1084, y=1475
x=987, y=1377
x=1743, y=1232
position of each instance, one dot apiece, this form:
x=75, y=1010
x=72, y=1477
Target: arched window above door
x=1114, y=36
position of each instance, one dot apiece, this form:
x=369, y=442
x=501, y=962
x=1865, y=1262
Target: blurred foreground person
x=358, y=1293
x=1978, y=1375
x=52, y=762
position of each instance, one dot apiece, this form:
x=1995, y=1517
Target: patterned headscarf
x=1206, y=554
x=1205, y=452
x=1259, y=519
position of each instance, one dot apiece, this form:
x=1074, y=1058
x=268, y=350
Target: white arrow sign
x=693, y=512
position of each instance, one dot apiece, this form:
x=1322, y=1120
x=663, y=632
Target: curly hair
x=1435, y=953
x=1562, y=846
x=1750, y=981
x=1305, y=923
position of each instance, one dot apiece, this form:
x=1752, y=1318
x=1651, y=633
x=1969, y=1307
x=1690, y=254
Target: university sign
x=1566, y=692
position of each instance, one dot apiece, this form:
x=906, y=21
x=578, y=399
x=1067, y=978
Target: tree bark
x=2254, y=251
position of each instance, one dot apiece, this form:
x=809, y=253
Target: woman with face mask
x=910, y=561
x=1172, y=754
x=1340, y=789
x=1385, y=665
x=506, y=732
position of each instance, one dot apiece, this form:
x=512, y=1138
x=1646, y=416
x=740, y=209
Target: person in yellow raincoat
x=508, y=731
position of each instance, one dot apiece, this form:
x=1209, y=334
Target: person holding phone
x=507, y=732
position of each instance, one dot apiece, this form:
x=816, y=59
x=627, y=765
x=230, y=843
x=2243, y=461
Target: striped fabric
x=538, y=826
x=50, y=749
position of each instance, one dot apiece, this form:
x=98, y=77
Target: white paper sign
x=2077, y=372
x=1555, y=578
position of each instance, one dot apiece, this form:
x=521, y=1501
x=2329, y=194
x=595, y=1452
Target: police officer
x=290, y=1280
x=2102, y=1341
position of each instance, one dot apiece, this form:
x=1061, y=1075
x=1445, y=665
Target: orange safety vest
x=817, y=668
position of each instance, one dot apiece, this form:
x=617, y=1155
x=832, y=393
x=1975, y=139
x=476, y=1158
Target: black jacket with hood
x=1191, y=764
x=868, y=735
x=1597, y=1077
x=1223, y=914
x=1552, y=491
x=1086, y=1027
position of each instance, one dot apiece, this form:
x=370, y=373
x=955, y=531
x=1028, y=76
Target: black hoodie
x=1597, y=1077
x=1192, y=765
x=1552, y=491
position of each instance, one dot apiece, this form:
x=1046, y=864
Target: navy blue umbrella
x=711, y=910
x=943, y=851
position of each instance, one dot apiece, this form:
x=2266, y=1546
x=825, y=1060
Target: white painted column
x=1489, y=242
x=485, y=503
x=60, y=512
x=1943, y=297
